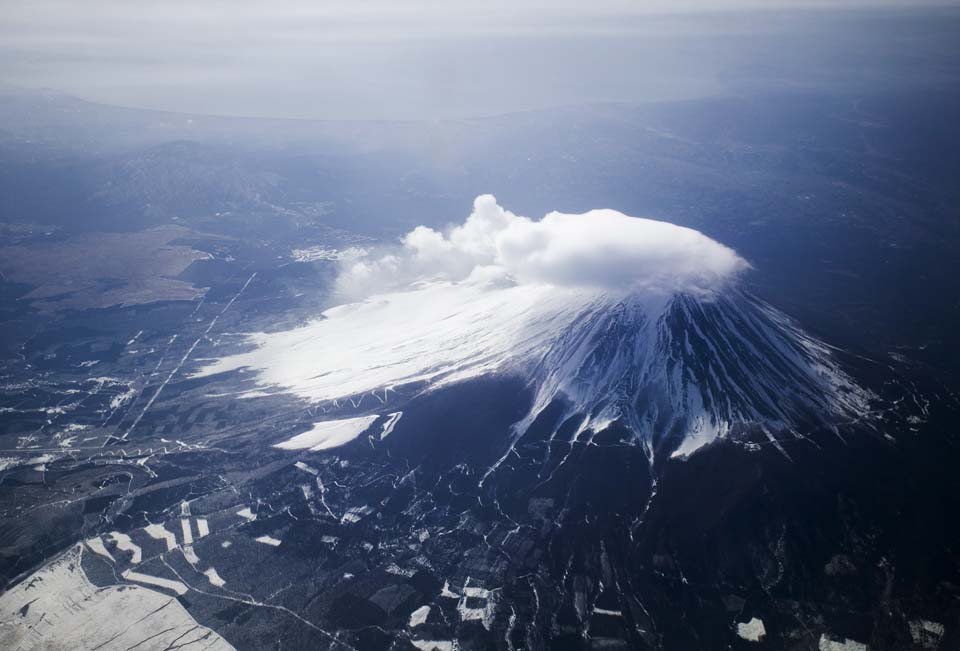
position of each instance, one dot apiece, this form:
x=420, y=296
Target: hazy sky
x=400, y=59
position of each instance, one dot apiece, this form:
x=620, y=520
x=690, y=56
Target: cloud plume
x=601, y=249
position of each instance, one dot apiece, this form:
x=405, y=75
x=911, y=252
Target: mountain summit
x=677, y=373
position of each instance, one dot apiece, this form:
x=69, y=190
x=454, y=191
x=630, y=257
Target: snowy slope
x=692, y=369
x=681, y=366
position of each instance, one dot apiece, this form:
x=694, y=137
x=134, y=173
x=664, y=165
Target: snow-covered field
x=58, y=608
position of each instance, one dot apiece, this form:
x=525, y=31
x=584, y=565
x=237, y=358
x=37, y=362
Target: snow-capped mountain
x=654, y=334
x=676, y=371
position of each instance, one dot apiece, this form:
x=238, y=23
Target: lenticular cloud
x=600, y=249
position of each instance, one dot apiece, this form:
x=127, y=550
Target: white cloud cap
x=603, y=249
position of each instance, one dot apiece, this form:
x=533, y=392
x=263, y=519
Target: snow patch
x=316, y=253
x=306, y=468
x=396, y=570
x=752, y=631
x=268, y=540
x=355, y=514
x=474, y=594
x=167, y=584
x=328, y=434
x=96, y=544
x=159, y=532
x=608, y=612
x=419, y=616
x=126, y=544
x=122, y=398
x=213, y=577
x=436, y=645
x=190, y=555
x=829, y=644
x=926, y=633
x=445, y=591
x=388, y=426
x=247, y=514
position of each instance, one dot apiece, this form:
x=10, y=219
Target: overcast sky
x=402, y=59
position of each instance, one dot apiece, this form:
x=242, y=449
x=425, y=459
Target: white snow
x=395, y=569
x=96, y=544
x=926, y=633
x=190, y=555
x=485, y=614
x=306, y=468
x=213, y=577
x=187, y=533
x=203, y=527
x=320, y=253
x=355, y=514
x=122, y=398
x=435, y=645
x=167, y=584
x=609, y=613
x=440, y=333
x=66, y=611
x=934, y=628
x=388, y=426
x=247, y=514
x=40, y=462
x=419, y=616
x=268, y=540
x=701, y=433
x=447, y=592
x=159, y=532
x=124, y=543
x=752, y=631
x=829, y=644
x=328, y=434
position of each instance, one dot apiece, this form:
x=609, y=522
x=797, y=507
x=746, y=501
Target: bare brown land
x=103, y=269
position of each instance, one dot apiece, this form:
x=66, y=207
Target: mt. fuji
x=622, y=321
